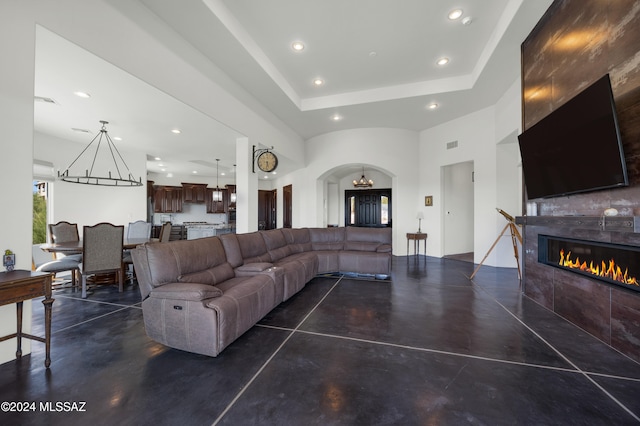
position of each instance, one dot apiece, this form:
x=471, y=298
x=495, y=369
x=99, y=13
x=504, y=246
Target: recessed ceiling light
x=432, y=105
x=160, y=165
x=266, y=177
x=117, y=138
x=298, y=46
x=455, y=14
x=157, y=158
x=176, y=131
x=222, y=173
x=82, y=94
x=169, y=174
x=318, y=82
x=274, y=172
x=194, y=172
x=163, y=170
x=467, y=20
x=336, y=117
x=442, y=61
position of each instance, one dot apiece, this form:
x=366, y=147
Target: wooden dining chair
x=102, y=253
x=64, y=232
x=139, y=229
x=165, y=232
x=43, y=262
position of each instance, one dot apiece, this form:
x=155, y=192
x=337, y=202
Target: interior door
x=287, y=201
x=267, y=209
x=458, y=207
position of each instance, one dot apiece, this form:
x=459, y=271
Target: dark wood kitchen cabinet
x=167, y=199
x=194, y=192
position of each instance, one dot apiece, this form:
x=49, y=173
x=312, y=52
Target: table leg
x=47, y=330
x=19, y=329
x=407, y=246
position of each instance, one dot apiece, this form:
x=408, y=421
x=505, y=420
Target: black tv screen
x=576, y=148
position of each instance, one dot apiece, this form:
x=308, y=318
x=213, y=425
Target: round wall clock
x=267, y=161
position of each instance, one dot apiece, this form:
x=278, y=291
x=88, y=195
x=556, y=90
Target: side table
x=16, y=287
x=417, y=237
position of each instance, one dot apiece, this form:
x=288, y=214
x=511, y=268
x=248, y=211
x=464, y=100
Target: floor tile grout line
x=440, y=352
x=556, y=350
x=264, y=365
x=89, y=320
x=458, y=354
x=99, y=301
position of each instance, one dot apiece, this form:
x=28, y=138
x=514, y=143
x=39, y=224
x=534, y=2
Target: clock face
x=267, y=161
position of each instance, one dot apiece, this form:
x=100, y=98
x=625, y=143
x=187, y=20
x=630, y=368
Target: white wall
x=17, y=41
x=388, y=156
x=478, y=135
x=89, y=204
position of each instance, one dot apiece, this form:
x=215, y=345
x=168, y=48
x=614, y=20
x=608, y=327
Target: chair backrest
x=63, y=232
x=165, y=232
x=102, y=248
x=139, y=229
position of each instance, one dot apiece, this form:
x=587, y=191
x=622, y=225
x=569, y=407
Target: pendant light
x=233, y=196
x=217, y=193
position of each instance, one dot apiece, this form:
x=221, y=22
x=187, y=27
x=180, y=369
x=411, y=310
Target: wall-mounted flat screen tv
x=577, y=148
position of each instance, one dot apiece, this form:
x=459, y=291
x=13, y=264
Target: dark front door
x=368, y=208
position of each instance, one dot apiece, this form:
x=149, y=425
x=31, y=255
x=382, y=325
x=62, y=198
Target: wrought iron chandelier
x=363, y=182
x=112, y=179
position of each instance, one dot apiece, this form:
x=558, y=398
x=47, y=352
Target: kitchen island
x=197, y=230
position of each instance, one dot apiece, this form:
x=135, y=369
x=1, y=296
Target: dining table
x=74, y=247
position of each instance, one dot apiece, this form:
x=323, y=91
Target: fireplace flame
x=605, y=269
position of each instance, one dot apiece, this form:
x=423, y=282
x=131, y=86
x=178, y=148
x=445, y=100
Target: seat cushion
x=58, y=266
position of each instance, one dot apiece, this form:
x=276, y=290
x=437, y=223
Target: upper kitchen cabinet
x=194, y=192
x=167, y=199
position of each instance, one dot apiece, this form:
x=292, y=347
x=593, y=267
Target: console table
x=417, y=237
x=18, y=286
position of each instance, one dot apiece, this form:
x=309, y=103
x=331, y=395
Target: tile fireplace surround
x=609, y=312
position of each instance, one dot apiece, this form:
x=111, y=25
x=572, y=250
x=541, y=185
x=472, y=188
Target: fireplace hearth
x=613, y=264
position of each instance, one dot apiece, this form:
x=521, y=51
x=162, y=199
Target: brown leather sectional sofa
x=200, y=295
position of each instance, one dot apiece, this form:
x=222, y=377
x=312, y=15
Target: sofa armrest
x=384, y=248
x=186, y=291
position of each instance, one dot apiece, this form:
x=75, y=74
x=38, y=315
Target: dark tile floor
x=427, y=347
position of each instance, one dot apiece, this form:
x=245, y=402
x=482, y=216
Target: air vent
x=45, y=100
x=451, y=145
x=77, y=130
